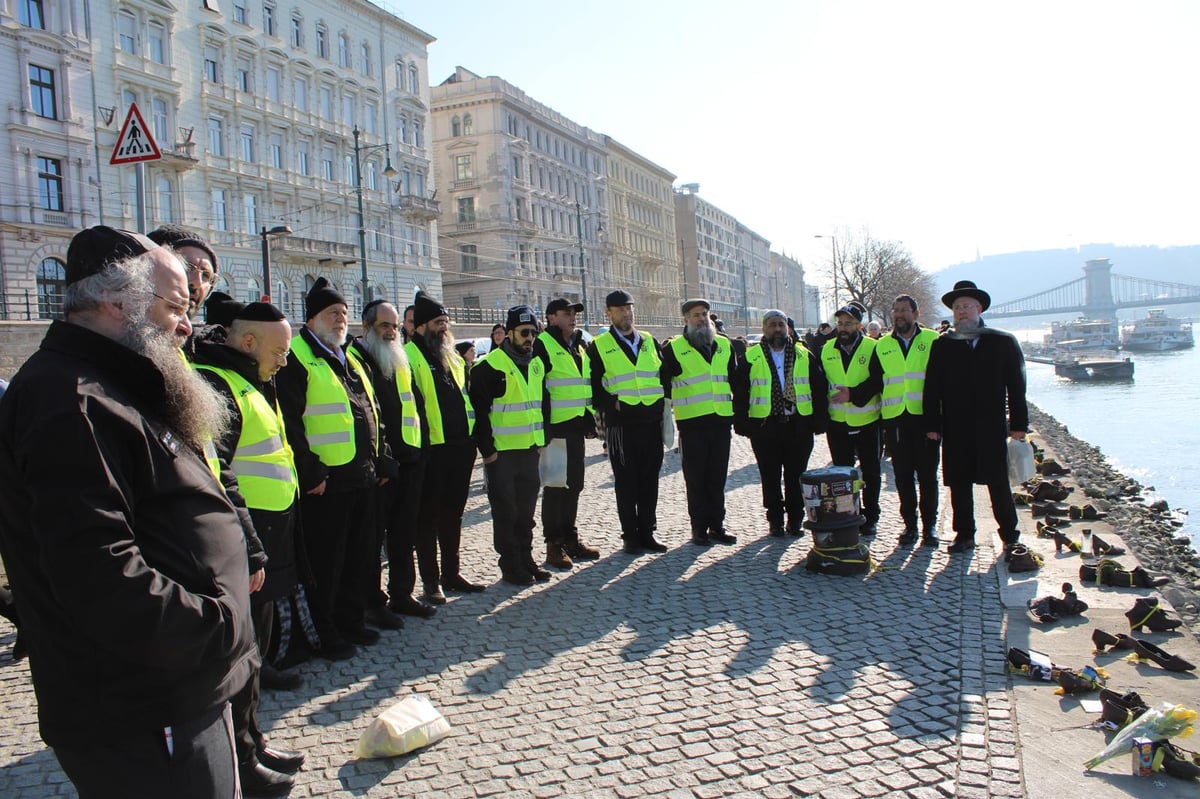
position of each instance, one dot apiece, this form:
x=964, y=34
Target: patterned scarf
x=782, y=397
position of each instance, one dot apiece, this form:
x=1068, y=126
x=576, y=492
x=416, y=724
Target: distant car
x=754, y=338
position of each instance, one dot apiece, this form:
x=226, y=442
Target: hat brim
x=982, y=297
x=687, y=306
x=576, y=307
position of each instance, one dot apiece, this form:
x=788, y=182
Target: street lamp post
x=267, y=235
x=388, y=171
x=579, y=215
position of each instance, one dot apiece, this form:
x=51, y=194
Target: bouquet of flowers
x=1157, y=724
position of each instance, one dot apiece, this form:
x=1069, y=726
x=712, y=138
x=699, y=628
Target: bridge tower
x=1098, y=297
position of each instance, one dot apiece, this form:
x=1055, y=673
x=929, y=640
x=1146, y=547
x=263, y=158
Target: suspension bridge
x=1098, y=295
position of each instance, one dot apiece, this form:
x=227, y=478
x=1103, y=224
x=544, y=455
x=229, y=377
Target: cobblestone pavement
x=726, y=671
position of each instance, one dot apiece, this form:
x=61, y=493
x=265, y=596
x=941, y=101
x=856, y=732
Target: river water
x=1148, y=428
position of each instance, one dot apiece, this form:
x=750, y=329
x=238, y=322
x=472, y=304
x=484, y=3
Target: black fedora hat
x=967, y=288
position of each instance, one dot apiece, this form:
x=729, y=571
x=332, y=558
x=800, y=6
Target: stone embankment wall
x=18, y=340
x=1150, y=530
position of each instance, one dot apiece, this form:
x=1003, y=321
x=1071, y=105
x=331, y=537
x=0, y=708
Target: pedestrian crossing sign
x=135, y=144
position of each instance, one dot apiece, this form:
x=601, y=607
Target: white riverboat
x=1157, y=332
x=1088, y=334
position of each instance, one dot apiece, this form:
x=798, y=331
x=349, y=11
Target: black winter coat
x=127, y=559
x=973, y=398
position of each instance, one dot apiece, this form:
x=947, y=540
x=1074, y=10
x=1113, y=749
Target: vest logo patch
x=170, y=442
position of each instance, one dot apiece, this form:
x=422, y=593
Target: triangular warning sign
x=135, y=143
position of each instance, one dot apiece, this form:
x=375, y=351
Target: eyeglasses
x=207, y=276
x=281, y=357
x=176, y=307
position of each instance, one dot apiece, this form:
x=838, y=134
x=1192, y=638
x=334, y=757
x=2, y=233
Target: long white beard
x=195, y=409
x=388, y=355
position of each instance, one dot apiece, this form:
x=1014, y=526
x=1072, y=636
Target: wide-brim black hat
x=967, y=288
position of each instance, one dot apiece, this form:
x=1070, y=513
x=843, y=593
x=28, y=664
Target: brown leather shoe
x=557, y=557
x=579, y=551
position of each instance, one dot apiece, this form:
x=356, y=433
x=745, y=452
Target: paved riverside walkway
x=726, y=671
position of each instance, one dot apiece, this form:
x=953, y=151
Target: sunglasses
x=526, y=333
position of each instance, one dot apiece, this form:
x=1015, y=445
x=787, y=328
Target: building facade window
x=212, y=64
x=300, y=86
x=297, y=32
x=127, y=32
x=414, y=82
x=216, y=136
x=322, y=42
x=369, y=118
x=245, y=71
x=269, y=19
x=164, y=199
x=364, y=56
x=456, y=127
x=50, y=183
x=416, y=133
x=276, y=150
x=469, y=257
x=218, y=210
x=466, y=209
x=327, y=163
x=371, y=176
x=250, y=207
x=273, y=84
x=302, y=159
x=239, y=13
x=468, y=128
x=326, y=102
x=31, y=14
x=247, y=138
x=41, y=92
x=51, y=283
x=157, y=42
x=343, y=51
x=159, y=120
x=464, y=167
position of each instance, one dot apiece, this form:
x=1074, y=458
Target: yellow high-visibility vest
x=702, y=387
x=904, y=375
x=422, y=375
x=831, y=359
x=569, y=386
x=761, y=367
x=631, y=383
x=516, y=415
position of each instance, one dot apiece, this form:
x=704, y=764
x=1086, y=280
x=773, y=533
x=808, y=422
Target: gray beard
x=700, y=335
x=389, y=356
x=778, y=342
x=195, y=409
x=441, y=348
x=330, y=339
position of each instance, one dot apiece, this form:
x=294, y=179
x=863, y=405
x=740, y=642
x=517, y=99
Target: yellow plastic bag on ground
x=409, y=724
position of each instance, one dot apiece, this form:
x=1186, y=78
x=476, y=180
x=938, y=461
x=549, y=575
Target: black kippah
x=260, y=312
x=221, y=309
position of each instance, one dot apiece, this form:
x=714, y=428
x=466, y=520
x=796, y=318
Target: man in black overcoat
x=974, y=401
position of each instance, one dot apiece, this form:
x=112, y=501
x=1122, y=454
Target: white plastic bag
x=552, y=464
x=668, y=425
x=1020, y=461
x=409, y=724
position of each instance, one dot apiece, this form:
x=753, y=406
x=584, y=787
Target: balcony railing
x=417, y=207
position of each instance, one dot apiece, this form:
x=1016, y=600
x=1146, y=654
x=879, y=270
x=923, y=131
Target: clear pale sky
x=955, y=127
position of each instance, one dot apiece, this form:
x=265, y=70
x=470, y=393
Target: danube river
x=1148, y=428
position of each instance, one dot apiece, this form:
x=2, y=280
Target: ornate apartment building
x=787, y=291
x=524, y=204
x=645, y=259
x=269, y=114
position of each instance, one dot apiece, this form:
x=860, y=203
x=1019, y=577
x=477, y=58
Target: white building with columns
x=255, y=105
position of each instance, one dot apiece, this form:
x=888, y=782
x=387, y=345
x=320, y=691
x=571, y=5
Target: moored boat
x=1093, y=366
x=1089, y=334
x=1157, y=332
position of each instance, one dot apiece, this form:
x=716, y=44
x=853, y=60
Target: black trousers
x=443, y=498
x=198, y=765
x=704, y=454
x=1004, y=510
x=846, y=444
x=915, y=461
x=513, y=485
x=243, y=706
x=397, y=529
x=636, y=455
x=339, y=533
x=782, y=447
x=560, y=506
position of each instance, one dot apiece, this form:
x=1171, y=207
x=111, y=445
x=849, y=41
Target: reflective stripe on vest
x=516, y=415
x=761, y=367
x=328, y=418
x=631, y=383
x=904, y=375
x=262, y=461
x=422, y=376
x=702, y=387
x=410, y=419
x=831, y=359
x=570, y=386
